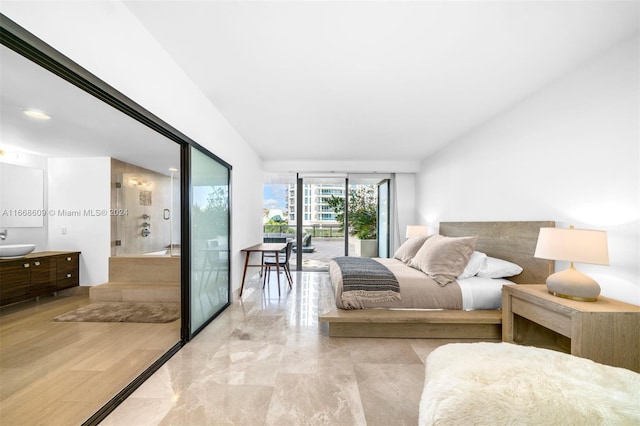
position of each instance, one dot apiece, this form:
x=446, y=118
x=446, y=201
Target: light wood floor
x=60, y=373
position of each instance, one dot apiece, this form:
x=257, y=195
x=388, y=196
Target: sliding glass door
x=209, y=281
x=322, y=221
x=383, y=218
x=313, y=212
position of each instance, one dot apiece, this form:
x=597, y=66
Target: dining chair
x=283, y=260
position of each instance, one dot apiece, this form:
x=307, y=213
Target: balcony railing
x=316, y=230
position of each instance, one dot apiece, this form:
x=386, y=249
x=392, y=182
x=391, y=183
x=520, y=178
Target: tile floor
x=267, y=361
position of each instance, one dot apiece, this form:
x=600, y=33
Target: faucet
x=3, y=234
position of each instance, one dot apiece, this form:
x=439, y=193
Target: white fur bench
x=503, y=383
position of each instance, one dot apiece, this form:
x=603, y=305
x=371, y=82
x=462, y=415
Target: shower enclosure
x=145, y=216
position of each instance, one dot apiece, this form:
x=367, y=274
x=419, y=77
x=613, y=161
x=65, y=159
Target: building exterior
x=316, y=209
x=315, y=205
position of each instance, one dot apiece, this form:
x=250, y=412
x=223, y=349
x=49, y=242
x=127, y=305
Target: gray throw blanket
x=364, y=278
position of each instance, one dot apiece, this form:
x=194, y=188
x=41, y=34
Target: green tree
x=212, y=220
x=363, y=212
x=277, y=224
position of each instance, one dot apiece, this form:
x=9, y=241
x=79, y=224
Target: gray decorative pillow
x=409, y=248
x=444, y=258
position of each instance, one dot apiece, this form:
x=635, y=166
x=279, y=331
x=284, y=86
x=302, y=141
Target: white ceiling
x=80, y=125
x=315, y=80
x=382, y=80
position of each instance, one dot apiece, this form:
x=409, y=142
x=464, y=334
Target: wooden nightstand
x=605, y=331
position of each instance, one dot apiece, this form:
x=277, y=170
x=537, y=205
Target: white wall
x=106, y=39
x=569, y=153
x=79, y=195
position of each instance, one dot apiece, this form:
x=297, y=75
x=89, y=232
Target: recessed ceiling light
x=36, y=114
x=173, y=169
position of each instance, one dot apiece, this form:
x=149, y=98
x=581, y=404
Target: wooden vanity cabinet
x=67, y=267
x=14, y=282
x=37, y=274
x=43, y=277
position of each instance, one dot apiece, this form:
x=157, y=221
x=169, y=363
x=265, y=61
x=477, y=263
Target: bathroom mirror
x=21, y=197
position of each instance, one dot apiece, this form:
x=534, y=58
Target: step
x=160, y=269
x=135, y=292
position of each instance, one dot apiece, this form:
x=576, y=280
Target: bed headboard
x=512, y=241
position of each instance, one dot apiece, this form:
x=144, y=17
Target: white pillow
x=498, y=268
x=476, y=262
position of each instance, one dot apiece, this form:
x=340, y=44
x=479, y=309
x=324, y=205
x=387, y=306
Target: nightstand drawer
x=550, y=319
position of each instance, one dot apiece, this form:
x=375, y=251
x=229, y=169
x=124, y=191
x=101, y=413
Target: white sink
x=16, y=250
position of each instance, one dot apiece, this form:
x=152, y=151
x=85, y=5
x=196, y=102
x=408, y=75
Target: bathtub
x=157, y=253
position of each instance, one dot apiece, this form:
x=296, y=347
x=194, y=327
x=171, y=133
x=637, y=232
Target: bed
x=503, y=383
x=447, y=314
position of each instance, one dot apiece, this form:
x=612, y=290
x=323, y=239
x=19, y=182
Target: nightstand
x=605, y=331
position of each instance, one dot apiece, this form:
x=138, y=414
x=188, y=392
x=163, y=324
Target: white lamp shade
x=413, y=230
x=573, y=245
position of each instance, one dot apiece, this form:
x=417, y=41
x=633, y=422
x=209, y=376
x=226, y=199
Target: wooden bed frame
x=512, y=241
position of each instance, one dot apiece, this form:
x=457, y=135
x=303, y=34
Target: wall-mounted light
x=138, y=182
x=36, y=114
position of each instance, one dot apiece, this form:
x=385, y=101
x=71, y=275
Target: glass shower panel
x=146, y=206
x=172, y=215
x=209, y=209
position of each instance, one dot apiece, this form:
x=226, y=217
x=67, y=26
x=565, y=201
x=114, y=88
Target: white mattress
x=482, y=293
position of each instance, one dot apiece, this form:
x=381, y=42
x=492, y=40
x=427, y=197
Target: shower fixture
x=146, y=225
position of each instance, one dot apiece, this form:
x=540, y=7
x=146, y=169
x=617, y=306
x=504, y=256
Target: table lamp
x=413, y=230
x=573, y=245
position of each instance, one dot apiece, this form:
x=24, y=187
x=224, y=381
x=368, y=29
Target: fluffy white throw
x=507, y=384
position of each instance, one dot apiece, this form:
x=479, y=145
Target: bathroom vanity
x=37, y=274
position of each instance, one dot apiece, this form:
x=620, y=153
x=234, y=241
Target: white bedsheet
x=482, y=293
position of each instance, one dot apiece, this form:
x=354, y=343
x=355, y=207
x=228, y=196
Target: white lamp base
x=573, y=284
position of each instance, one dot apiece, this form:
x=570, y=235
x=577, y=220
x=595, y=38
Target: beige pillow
x=409, y=248
x=444, y=258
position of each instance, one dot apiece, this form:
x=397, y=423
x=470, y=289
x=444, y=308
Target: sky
x=274, y=196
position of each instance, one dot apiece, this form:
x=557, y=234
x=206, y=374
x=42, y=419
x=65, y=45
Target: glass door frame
x=187, y=260
x=383, y=179
x=18, y=39
x=384, y=185
x=300, y=215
